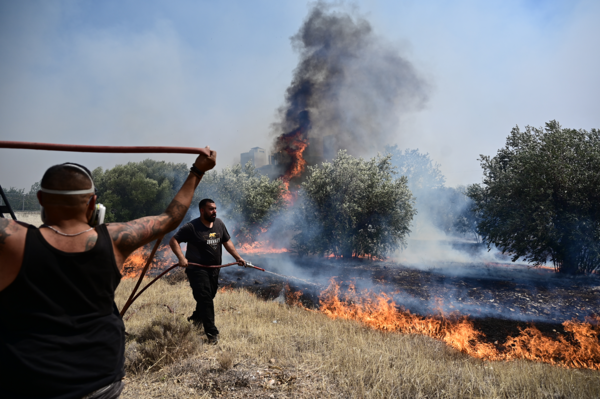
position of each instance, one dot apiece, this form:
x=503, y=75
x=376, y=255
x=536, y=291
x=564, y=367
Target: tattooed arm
x=12, y=248
x=127, y=237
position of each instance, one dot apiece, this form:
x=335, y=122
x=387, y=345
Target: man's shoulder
x=219, y=222
x=193, y=224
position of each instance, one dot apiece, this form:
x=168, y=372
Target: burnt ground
x=499, y=298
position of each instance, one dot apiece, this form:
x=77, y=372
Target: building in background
x=257, y=156
x=320, y=149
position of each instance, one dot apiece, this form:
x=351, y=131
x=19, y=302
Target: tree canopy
x=22, y=201
x=540, y=197
x=138, y=189
x=353, y=207
x=145, y=188
x=249, y=200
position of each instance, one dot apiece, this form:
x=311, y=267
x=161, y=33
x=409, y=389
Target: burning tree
x=540, y=197
x=353, y=207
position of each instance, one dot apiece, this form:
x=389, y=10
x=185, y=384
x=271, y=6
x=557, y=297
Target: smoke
x=348, y=91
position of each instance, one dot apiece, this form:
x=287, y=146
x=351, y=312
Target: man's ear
x=91, y=204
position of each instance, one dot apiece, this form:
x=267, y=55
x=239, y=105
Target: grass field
x=271, y=350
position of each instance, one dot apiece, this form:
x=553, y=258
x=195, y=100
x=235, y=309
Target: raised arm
x=127, y=237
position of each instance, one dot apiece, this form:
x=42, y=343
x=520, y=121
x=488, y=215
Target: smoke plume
x=348, y=92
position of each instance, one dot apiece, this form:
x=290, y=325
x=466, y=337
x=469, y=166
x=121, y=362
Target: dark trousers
x=204, y=283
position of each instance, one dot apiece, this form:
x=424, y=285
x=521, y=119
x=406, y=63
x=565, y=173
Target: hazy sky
x=191, y=73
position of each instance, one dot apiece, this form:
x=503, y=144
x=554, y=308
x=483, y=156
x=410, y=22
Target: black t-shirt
x=204, y=244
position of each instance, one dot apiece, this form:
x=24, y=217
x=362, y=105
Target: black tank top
x=61, y=335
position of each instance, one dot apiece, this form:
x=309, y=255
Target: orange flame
x=134, y=264
x=295, y=144
x=379, y=311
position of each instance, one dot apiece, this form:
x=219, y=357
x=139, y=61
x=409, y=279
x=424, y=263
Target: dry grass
x=268, y=349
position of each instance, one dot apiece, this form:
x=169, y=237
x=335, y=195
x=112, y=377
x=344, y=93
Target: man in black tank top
x=204, y=237
x=61, y=335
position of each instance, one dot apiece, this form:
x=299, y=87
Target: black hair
x=56, y=173
x=203, y=203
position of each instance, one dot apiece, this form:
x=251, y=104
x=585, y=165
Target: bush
x=165, y=340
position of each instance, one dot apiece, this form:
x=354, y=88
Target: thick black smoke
x=353, y=84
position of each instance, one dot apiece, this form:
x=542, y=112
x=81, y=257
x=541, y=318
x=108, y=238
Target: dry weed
x=320, y=357
x=225, y=360
x=175, y=276
x=165, y=340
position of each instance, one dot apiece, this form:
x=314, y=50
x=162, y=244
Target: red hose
x=101, y=148
x=132, y=298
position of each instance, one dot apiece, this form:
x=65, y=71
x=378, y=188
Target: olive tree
x=540, y=197
x=353, y=207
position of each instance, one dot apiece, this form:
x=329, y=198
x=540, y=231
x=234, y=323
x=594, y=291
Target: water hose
x=248, y=264
x=22, y=145
x=144, y=270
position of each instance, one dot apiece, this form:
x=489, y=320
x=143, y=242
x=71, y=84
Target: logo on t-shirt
x=213, y=240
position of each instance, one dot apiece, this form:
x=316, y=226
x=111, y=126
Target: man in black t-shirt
x=204, y=237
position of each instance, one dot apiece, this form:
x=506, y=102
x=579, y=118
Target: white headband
x=73, y=192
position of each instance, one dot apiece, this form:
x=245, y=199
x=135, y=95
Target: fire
x=294, y=144
x=379, y=311
x=134, y=264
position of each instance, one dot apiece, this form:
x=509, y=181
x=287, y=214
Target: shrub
x=165, y=340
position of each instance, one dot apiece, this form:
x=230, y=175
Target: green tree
x=540, y=197
x=353, y=207
x=247, y=199
x=138, y=189
x=23, y=201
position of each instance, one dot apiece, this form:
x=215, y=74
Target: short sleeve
x=185, y=234
x=226, y=236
